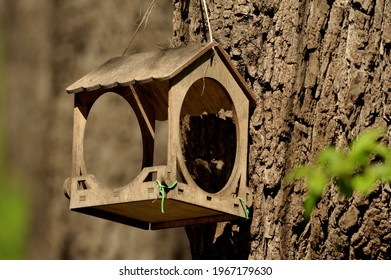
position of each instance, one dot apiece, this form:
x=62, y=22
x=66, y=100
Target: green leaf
x=309, y=205
x=367, y=163
x=317, y=181
x=364, y=145
x=298, y=173
x=336, y=162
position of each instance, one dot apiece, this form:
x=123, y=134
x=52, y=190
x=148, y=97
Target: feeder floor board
x=142, y=214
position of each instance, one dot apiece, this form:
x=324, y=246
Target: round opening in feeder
x=113, y=142
x=208, y=134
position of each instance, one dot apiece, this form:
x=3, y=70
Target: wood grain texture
x=139, y=68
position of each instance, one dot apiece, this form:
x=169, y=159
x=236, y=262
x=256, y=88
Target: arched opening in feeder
x=208, y=134
x=113, y=142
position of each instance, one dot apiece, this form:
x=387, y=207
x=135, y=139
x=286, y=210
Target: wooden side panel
x=227, y=198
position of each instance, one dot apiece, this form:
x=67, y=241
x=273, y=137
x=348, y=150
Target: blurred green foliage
x=13, y=198
x=366, y=163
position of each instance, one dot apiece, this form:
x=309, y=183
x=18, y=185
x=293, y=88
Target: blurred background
x=46, y=45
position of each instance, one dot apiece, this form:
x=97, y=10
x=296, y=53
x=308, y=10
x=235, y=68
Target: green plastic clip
x=162, y=190
x=245, y=208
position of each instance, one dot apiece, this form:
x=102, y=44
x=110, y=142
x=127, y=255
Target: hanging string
x=143, y=22
x=162, y=190
x=207, y=19
x=211, y=40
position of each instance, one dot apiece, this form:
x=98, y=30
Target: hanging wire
x=211, y=40
x=143, y=22
x=207, y=19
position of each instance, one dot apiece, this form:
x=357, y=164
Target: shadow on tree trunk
x=220, y=241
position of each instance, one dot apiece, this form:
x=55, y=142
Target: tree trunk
x=321, y=72
x=49, y=45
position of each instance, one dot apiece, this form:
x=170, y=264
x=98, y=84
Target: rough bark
x=49, y=45
x=321, y=72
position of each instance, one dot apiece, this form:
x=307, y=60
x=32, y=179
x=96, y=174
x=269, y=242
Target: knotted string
x=162, y=190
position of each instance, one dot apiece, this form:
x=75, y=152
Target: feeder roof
x=159, y=65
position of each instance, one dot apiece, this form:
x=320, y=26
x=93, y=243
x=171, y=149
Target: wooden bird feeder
x=171, y=84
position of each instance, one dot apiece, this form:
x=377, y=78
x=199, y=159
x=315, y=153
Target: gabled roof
x=146, y=67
